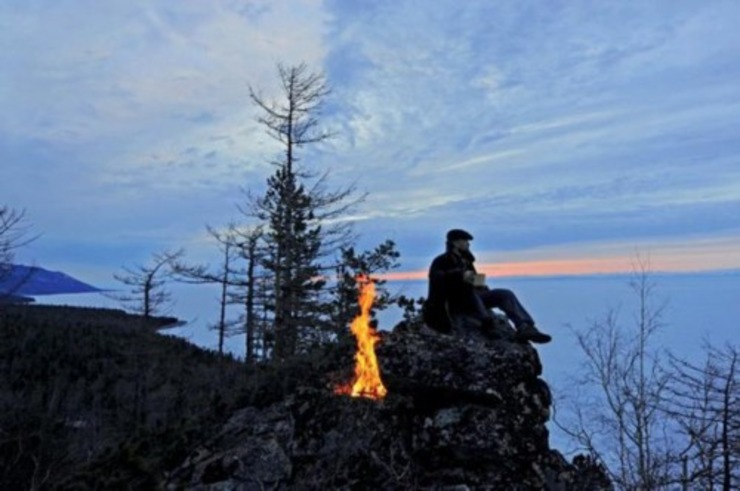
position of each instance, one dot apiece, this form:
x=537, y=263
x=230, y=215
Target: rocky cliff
x=463, y=412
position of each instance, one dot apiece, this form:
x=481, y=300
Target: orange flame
x=367, y=381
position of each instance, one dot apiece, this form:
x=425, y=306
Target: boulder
x=464, y=411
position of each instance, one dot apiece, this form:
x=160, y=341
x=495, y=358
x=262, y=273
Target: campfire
x=367, y=381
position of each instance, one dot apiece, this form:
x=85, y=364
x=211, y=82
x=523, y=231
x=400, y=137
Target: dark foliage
x=96, y=399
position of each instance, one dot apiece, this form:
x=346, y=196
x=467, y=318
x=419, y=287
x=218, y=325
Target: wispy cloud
x=552, y=123
x=134, y=86
x=533, y=124
x=131, y=121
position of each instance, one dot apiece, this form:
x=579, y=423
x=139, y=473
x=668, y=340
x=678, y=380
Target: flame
x=367, y=381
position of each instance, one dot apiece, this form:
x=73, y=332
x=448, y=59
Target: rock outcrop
x=463, y=412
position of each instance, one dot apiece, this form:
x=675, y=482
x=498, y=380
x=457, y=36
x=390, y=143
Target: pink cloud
x=699, y=255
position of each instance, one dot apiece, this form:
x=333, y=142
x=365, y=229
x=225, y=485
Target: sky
x=567, y=137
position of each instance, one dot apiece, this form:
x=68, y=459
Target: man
x=453, y=291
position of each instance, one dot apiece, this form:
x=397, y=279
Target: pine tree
x=372, y=264
x=298, y=212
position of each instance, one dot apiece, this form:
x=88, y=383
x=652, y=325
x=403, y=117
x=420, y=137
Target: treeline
x=75, y=395
x=86, y=404
x=117, y=318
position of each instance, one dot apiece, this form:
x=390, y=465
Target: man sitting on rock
x=457, y=290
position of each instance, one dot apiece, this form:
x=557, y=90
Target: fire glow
x=367, y=381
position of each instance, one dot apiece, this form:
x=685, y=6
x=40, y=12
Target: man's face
x=461, y=244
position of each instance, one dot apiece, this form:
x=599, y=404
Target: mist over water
x=697, y=307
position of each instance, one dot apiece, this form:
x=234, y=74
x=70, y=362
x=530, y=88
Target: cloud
x=535, y=116
x=504, y=156
x=672, y=254
x=534, y=124
x=133, y=120
x=133, y=85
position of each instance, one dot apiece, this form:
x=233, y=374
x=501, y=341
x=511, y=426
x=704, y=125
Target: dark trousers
x=504, y=300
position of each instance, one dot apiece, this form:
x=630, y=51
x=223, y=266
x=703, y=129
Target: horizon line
x=505, y=271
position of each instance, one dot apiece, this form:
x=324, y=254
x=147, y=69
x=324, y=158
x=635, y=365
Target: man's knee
x=503, y=293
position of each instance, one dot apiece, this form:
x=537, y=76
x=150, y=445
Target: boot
x=527, y=332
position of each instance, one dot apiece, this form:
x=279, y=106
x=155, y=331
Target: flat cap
x=457, y=234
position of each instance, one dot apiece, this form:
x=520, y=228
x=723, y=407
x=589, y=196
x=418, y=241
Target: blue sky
x=564, y=135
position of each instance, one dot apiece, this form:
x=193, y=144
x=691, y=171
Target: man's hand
x=469, y=276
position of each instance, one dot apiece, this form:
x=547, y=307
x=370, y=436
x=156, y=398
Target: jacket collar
x=460, y=255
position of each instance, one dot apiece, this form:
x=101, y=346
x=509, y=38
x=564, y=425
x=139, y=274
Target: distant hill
x=26, y=281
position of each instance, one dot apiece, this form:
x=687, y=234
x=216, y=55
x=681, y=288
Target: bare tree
x=14, y=234
x=618, y=419
x=238, y=284
x=223, y=326
x=249, y=245
x=147, y=294
x=224, y=277
x=704, y=400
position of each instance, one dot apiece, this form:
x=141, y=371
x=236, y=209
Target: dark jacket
x=448, y=293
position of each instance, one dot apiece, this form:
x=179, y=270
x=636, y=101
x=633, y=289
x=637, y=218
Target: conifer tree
x=298, y=212
x=372, y=264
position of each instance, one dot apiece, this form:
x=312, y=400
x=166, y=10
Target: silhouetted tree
x=704, y=400
x=224, y=277
x=411, y=308
x=619, y=420
x=372, y=264
x=249, y=243
x=147, y=294
x=299, y=214
x=241, y=282
x=14, y=234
